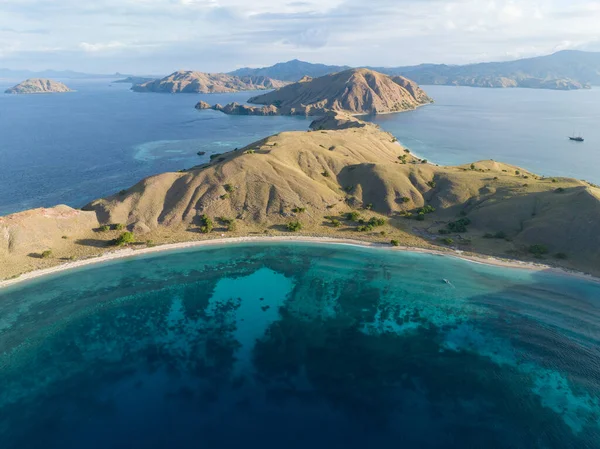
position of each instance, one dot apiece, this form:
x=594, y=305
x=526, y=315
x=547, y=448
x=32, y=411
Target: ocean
x=299, y=345
x=74, y=148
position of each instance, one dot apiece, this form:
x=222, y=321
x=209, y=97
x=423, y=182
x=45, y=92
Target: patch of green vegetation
x=423, y=161
x=104, y=228
x=459, y=225
x=229, y=188
x=394, y=242
x=299, y=210
x=225, y=196
x=325, y=173
x=352, y=216
x=335, y=223
x=447, y=241
x=431, y=184
x=332, y=148
x=376, y=221
x=369, y=206
x=472, y=167
x=294, y=226
x=538, y=250
x=517, y=172
x=206, y=224
x=64, y=237
x=46, y=254
x=229, y=223
x=420, y=216
x=249, y=152
x=125, y=239
x=119, y=226
x=428, y=209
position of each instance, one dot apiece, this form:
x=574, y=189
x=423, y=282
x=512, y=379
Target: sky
x=161, y=36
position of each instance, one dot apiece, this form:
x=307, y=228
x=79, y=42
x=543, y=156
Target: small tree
x=448, y=241
x=538, y=250
x=395, y=242
x=46, y=254
x=206, y=224
x=353, y=216
x=104, y=228
x=125, y=239
x=119, y=226
x=294, y=226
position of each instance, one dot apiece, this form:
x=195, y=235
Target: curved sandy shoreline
x=129, y=252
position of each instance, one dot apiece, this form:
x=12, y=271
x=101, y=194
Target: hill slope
x=38, y=86
x=357, y=91
x=199, y=82
x=291, y=71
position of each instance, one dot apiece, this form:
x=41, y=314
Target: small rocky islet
x=38, y=86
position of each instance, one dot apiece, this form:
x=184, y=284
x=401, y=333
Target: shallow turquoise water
x=297, y=345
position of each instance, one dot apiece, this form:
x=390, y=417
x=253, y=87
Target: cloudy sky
x=160, y=36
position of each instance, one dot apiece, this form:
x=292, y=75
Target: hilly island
x=38, y=86
x=343, y=178
x=355, y=91
x=199, y=82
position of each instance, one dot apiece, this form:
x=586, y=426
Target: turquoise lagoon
x=296, y=345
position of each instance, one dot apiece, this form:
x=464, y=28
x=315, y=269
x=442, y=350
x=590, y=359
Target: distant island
x=134, y=80
x=355, y=91
x=38, y=86
x=199, y=82
x=564, y=70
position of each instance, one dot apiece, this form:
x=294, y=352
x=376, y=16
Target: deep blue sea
x=103, y=138
x=299, y=345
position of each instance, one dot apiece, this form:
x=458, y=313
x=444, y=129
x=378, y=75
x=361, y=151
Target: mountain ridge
x=567, y=69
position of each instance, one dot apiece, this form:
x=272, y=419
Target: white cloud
x=163, y=35
x=99, y=47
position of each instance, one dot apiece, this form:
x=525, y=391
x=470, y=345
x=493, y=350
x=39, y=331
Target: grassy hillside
x=349, y=183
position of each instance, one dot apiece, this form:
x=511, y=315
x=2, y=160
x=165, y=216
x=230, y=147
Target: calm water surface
x=299, y=345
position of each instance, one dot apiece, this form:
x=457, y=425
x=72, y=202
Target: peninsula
x=38, y=86
x=355, y=91
x=199, y=82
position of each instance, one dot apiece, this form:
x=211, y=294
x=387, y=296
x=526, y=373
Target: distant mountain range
x=564, y=70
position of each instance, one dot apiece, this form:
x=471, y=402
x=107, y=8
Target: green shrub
x=352, y=216
x=294, y=226
x=423, y=161
x=376, y=221
x=517, y=172
x=125, y=239
x=225, y=196
x=46, y=254
x=538, y=250
x=448, y=241
x=332, y=147
x=407, y=151
x=229, y=188
x=459, y=225
x=420, y=216
x=325, y=174
x=299, y=210
x=335, y=223
x=365, y=228
x=64, y=237
x=249, y=152
x=395, y=242
x=206, y=224
x=472, y=166
x=104, y=228
x=428, y=209
x=431, y=184
x=554, y=180
x=369, y=206
x=119, y=226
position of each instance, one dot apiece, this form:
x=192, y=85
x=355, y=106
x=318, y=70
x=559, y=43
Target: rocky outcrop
x=356, y=91
x=38, y=86
x=203, y=105
x=199, y=82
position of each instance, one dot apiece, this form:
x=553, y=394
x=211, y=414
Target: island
x=343, y=178
x=198, y=82
x=355, y=91
x=38, y=86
